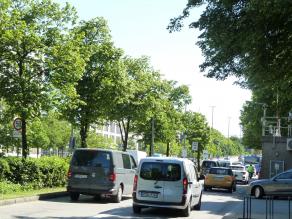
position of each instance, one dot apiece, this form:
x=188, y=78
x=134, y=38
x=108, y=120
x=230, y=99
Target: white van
x=167, y=183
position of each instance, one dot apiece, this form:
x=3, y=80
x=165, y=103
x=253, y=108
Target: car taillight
x=135, y=183
x=112, y=177
x=69, y=174
x=185, y=185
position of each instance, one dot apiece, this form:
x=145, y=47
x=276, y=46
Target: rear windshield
x=160, y=171
x=91, y=158
x=218, y=171
x=209, y=164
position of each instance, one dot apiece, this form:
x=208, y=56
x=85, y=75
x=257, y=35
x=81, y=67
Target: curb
x=33, y=198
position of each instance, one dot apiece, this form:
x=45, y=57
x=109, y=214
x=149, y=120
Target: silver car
x=279, y=185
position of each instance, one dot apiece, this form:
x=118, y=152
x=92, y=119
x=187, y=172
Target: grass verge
x=31, y=193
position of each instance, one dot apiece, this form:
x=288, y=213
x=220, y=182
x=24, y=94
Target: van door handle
x=157, y=187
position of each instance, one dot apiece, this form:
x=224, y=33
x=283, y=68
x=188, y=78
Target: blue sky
x=139, y=28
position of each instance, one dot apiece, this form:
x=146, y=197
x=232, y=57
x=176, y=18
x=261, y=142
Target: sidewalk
x=33, y=198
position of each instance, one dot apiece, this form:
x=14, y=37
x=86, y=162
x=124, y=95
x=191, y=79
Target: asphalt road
x=215, y=204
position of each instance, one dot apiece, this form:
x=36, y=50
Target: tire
x=230, y=189
x=118, y=197
x=187, y=211
x=258, y=192
x=136, y=209
x=97, y=197
x=197, y=207
x=234, y=187
x=205, y=188
x=74, y=196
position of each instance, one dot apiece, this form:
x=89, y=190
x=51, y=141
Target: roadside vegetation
x=31, y=176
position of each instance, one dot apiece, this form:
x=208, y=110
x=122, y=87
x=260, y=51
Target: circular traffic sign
x=17, y=123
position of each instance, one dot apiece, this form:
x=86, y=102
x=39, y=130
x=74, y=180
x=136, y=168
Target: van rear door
x=150, y=187
x=173, y=185
x=91, y=169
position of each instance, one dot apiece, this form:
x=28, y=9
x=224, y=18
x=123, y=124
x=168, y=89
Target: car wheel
x=97, y=197
x=234, y=187
x=74, y=196
x=187, y=211
x=205, y=188
x=198, y=206
x=230, y=189
x=136, y=209
x=258, y=192
x=118, y=197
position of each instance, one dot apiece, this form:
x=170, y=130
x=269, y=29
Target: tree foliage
x=250, y=40
x=37, y=56
x=99, y=86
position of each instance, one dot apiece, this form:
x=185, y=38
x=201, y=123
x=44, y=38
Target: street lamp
x=229, y=118
x=212, y=115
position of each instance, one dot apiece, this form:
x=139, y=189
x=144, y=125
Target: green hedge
x=36, y=173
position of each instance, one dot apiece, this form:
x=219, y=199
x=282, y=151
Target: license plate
x=79, y=176
x=149, y=194
x=220, y=178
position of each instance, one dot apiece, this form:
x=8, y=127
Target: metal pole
x=152, y=137
x=212, y=115
x=228, y=125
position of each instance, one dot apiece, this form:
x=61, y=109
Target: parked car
x=224, y=163
x=100, y=172
x=167, y=183
x=279, y=185
x=240, y=172
x=206, y=165
x=220, y=177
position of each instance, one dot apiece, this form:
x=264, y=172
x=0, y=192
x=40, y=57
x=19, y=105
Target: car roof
x=165, y=159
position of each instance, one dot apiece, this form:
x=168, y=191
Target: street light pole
x=228, y=125
x=212, y=114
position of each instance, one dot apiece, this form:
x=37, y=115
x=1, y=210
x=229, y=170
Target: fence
x=247, y=210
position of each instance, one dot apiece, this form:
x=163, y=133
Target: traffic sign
x=195, y=146
x=16, y=133
x=17, y=124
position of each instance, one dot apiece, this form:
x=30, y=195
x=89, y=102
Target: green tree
x=250, y=40
x=142, y=88
x=99, y=85
x=167, y=116
x=196, y=130
x=37, y=56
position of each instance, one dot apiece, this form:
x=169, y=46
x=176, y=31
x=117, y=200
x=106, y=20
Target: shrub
x=38, y=173
x=4, y=169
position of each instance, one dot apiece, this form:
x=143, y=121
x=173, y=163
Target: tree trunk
x=25, y=149
x=198, y=160
x=83, y=134
x=124, y=136
x=167, y=149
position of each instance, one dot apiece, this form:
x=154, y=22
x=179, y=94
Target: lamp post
x=212, y=115
x=229, y=118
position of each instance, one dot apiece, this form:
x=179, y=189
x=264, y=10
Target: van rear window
x=160, y=171
x=91, y=158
